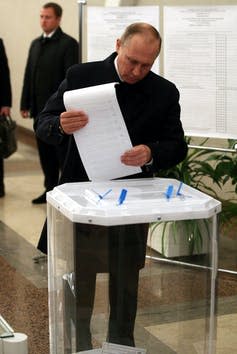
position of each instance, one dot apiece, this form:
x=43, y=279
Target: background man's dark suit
x=5, y=98
x=5, y=86
x=47, y=63
x=151, y=113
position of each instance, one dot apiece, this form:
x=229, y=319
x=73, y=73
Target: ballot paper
x=105, y=138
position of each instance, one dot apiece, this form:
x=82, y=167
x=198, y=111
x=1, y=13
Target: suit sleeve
x=25, y=95
x=5, y=84
x=46, y=124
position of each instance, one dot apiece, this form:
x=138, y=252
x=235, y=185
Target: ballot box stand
x=176, y=311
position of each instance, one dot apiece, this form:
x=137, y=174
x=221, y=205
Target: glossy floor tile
x=226, y=339
x=23, y=290
x=23, y=182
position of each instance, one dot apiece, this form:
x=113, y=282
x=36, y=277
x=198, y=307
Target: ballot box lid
x=131, y=201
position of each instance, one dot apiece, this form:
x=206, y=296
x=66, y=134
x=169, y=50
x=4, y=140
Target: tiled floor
x=23, y=290
x=23, y=182
x=178, y=291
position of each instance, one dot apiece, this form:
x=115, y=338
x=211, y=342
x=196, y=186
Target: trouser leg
x=49, y=164
x=84, y=307
x=89, y=243
x=42, y=243
x=1, y=173
x=123, y=289
x=123, y=283
x=127, y=249
x=2, y=189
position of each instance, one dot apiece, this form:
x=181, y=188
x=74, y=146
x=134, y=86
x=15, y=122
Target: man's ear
x=118, y=44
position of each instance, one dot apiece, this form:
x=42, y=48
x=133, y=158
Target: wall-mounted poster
x=200, y=46
x=106, y=24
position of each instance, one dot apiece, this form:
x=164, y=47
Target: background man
x=151, y=111
x=5, y=101
x=50, y=55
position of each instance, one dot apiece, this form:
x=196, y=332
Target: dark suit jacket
x=5, y=85
x=47, y=63
x=152, y=115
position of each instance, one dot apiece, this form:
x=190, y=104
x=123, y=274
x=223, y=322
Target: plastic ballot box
x=109, y=290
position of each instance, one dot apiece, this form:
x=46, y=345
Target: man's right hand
x=25, y=114
x=73, y=120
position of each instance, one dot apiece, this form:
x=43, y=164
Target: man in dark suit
x=5, y=101
x=151, y=111
x=50, y=56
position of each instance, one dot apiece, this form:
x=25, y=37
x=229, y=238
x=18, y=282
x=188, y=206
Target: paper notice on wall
x=200, y=46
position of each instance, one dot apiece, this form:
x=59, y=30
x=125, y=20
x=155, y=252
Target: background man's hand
x=4, y=110
x=25, y=114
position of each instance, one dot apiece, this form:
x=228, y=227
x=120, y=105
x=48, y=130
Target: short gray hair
x=140, y=28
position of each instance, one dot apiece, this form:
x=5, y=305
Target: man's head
x=50, y=17
x=137, y=50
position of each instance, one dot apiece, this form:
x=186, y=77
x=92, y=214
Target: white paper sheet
x=105, y=138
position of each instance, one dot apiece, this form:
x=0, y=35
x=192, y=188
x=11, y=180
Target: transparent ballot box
x=113, y=288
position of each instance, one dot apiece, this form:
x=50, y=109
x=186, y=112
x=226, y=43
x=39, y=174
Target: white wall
x=18, y=26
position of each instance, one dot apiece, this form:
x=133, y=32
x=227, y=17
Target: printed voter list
x=105, y=138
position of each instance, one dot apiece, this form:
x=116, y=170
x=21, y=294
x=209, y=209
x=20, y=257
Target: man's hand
x=4, y=110
x=73, y=120
x=137, y=156
x=25, y=113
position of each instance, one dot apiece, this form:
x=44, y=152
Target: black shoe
x=40, y=259
x=40, y=200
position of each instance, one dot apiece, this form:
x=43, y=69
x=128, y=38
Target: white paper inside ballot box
x=111, y=348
